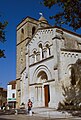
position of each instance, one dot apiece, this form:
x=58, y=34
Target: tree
x=2, y=36
x=72, y=94
x=70, y=12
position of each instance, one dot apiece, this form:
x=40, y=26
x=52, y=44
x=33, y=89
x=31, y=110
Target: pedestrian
x=29, y=106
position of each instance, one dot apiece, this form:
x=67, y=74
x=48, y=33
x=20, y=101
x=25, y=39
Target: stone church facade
x=44, y=58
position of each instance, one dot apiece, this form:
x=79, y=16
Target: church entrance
x=46, y=94
x=42, y=87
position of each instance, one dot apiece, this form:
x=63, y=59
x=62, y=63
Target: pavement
x=41, y=114
x=50, y=113
x=53, y=113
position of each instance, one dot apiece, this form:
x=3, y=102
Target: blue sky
x=14, y=11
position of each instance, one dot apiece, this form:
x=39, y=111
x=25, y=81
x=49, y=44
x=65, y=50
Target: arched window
x=33, y=30
x=48, y=50
x=22, y=33
x=41, y=51
x=35, y=59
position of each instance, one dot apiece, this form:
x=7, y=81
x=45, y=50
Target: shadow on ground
x=5, y=119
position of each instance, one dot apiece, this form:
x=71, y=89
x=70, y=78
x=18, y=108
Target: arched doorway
x=42, y=77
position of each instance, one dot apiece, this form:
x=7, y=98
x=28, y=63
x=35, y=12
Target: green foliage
x=69, y=95
x=69, y=14
x=2, y=53
x=72, y=94
x=2, y=36
x=2, y=32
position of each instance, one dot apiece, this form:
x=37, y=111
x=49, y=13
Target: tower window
x=22, y=31
x=22, y=34
x=33, y=30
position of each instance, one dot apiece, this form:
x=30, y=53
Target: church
x=44, y=57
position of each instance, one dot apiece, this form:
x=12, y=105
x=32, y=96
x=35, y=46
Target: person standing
x=29, y=106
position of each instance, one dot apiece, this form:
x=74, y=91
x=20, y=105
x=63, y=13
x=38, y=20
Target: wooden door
x=47, y=95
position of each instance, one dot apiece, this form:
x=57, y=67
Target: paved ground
x=41, y=114
x=26, y=117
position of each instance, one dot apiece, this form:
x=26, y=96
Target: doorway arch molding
x=39, y=69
